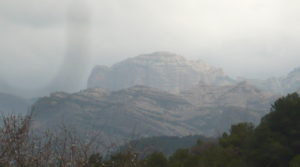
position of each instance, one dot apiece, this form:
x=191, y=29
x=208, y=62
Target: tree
x=239, y=135
x=277, y=138
x=183, y=158
x=295, y=162
x=284, y=120
x=156, y=159
x=95, y=160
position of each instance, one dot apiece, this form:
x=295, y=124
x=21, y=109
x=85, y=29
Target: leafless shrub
x=20, y=147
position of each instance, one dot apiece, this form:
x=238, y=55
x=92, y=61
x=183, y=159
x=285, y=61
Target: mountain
x=173, y=73
x=163, y=70
x=158, y=94
x=124, y=114
x=144, y=111
x=10, y=104
x=281, y=85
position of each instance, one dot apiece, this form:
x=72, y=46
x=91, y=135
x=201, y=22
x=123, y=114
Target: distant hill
x=10, y=104
x=163, y=70
x=165, y=144
x=282, y=85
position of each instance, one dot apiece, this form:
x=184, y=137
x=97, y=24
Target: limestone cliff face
x=163, y=70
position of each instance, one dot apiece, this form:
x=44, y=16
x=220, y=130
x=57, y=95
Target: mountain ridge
x=150, y=111
x=163, y=70
x=279, y=85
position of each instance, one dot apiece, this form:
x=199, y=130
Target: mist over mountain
x=157, y=94
x=281, y=85
x=173, y=73
x=11, y=104
x=175, y=97
x=79, y=79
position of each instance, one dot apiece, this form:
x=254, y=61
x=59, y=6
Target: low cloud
x=44, y=42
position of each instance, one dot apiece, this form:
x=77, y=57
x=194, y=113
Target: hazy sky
x=41, y=41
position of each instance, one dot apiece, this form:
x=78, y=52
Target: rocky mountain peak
x=162, y=55
x=167, y=58
x=155, y=59
x=163, y=70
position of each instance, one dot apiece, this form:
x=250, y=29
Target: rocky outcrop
x=163, y=70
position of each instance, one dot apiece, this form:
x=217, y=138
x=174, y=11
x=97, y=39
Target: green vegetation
x=164, y=144
x=275, y=142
